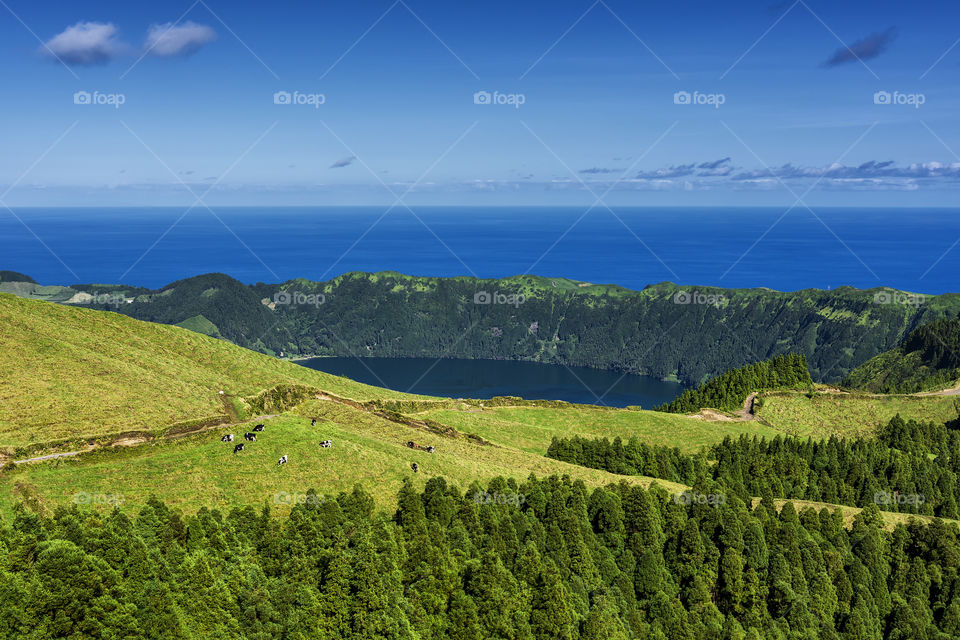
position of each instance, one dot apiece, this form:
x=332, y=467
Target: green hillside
x=69, y=373
x=929, y=358
x=729, y=390
x=556, y=320
x=76, y=379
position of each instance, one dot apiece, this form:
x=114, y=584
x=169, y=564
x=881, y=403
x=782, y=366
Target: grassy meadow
x=67, y=372
x=531, y=428
x=847, y=414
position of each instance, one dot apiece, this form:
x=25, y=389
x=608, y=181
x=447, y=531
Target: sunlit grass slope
x=532, y=428
x=199, y=470
x=68, y=372
x=848, y=414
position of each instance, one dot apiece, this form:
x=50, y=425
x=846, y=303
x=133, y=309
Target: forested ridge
x=928, y=358
x=557, y=562
x=665, y=330
x=908, y=467
x=729, y=390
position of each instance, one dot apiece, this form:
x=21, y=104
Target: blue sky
x=802, y=89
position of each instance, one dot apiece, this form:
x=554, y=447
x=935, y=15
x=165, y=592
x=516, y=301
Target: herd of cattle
x=326, y=444
x=252, y=437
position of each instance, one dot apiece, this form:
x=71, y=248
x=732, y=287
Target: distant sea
x=729, y=247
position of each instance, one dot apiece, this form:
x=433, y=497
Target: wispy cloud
x=173, y=40
x=719, y=167
x=600, y=170
x=870, y=47
x=85, y=43
x=343, y=162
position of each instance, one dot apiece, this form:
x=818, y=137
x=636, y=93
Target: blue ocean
x=911, y=249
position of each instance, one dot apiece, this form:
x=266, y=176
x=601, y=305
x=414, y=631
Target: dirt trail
x=747, y=412
x=137, y=440
x=954, y=391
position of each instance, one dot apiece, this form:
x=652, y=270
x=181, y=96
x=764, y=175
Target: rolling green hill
x=142, y=401
x=75, y=373
x=665, y=330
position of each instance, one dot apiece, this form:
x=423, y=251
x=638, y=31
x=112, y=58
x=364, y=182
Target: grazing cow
x=227, y=438
x=411, y=444
x=251, y=437
x=313, y=422
x=259, y=427
x=430, y=449
x=326, y=444
x=415, y=467
x=282, y=460
x=238, y=448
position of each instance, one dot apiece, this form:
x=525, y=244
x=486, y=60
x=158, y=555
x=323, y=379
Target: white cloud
x=169, y=40
x=85, y=43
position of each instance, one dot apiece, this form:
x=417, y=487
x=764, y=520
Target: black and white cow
x=430, y=449
x=227, y=438
x=259, y=427
x=415, y=467
x=326, y=444
x=282, y=460
x=411, y=444
x=251, y=437
x=238, y=448
x=313, y=422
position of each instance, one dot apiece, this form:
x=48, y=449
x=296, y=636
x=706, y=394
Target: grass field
x=532, y=428
x=67, y=372
x=827, y=414
x=366, y=449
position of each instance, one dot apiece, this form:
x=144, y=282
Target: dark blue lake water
x=488, y=378
x=905, y=248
